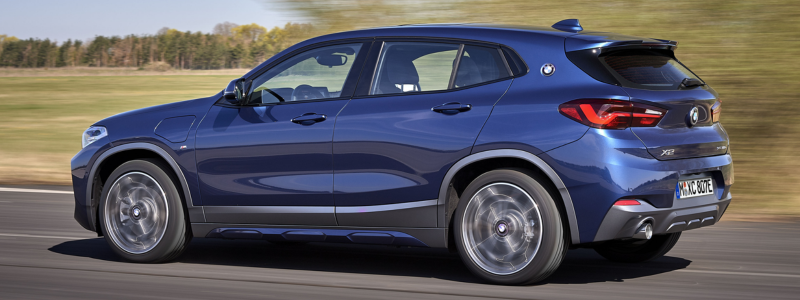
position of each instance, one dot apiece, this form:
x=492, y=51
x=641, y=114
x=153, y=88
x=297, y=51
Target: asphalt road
x=45, y=254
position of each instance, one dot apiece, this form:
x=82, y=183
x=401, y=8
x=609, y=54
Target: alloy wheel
x=136, y=212
x=503, y=228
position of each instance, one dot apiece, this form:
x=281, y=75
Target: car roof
x=448, y=30
x=471, y=28
x=509, y=35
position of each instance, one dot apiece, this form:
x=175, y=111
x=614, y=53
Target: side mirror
x=234, y=92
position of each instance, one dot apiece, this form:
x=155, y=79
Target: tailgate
x=674, y=137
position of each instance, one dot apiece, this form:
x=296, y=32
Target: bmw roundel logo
x=548, y=69
x=694, y=114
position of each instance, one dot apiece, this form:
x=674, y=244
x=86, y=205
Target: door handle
x=309, y=118
x=451, y=108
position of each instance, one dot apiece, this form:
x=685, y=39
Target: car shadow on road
x=580, y=266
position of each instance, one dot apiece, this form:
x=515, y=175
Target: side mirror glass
x=234, y=92
x=331, y=60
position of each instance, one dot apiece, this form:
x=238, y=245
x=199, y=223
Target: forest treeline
x=227, y=46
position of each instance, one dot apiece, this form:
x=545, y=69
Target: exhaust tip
x=645, y=232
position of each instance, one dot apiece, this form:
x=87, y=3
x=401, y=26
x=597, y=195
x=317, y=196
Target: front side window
x=414, y=67
x=316, y=74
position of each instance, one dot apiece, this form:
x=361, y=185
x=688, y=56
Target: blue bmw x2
x=509, y=145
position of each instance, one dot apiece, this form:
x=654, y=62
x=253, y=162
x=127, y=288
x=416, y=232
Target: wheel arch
x=109, y=160
x=475, y=164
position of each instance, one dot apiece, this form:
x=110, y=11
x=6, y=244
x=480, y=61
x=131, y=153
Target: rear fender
x=509, y=153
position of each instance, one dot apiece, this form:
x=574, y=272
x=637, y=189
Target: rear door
x=412, y=118
x=655, y=77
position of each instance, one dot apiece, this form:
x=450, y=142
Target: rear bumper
x=622, y=221
x=607, y=165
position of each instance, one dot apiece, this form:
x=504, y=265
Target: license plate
x=694, y=188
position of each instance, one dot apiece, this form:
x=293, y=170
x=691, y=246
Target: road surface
x=45, y=254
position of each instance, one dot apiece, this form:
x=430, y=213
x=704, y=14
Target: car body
x=386, y=158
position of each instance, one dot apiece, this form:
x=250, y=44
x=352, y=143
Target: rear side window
x=406, y=67
x=414, y=67
x=478, y=65
x=515, y=62
x=646, y=69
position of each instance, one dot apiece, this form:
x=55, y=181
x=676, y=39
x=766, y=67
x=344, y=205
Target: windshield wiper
x=690, y=82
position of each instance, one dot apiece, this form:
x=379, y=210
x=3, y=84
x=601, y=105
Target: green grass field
x=42, y=118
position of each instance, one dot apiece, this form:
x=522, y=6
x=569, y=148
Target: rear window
x=646, y=69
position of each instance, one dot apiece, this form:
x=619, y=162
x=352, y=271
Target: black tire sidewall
x=174, y=235
x=552, y=248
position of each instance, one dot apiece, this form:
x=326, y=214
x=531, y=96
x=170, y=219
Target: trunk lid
x=649, y=72
x=673, y=137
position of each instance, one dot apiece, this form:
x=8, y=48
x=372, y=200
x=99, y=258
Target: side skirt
x=414, y=237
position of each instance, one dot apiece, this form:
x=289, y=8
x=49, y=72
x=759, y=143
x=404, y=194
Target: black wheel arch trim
x=509, y=153
x=195, y=212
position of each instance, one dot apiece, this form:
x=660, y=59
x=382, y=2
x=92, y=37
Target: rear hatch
x=649, y=72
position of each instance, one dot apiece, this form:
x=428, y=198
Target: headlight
x=92, y=134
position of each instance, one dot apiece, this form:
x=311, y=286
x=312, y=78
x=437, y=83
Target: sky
x=83, y=19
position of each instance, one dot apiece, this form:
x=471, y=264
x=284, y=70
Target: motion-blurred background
x=53, y=84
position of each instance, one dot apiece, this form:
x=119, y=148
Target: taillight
x=612, y=114
x=627, y=202
x=716, y=111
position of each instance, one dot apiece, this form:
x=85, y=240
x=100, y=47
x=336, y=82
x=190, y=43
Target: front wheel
x=508, y=228
x=636, y=251
x=141, y=213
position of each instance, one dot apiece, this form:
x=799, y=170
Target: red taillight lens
x=626, y=202
x=611, y=114
x=716, y=111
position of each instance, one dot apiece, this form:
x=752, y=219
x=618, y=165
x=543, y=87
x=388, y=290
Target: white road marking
x=44, y=236
x=4, y=189
x=738, y=273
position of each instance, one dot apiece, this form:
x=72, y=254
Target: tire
x=493, y=218
x=142, y=214
x=637, y=251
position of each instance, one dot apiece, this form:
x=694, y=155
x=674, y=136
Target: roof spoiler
x=576, y=44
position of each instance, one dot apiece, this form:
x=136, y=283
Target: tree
x=248, y=34
x=5, y=38
x=224, y=29
x=230, y=46
x=63, y=53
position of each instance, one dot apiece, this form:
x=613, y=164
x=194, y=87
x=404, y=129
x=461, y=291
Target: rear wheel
x=635, y=251
x=508, y=228
x=141, y=213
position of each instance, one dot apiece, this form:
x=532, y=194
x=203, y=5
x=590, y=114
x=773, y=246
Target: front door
x=269, y=161
x=392, y=147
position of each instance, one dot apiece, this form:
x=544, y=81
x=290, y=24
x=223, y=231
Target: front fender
x=90, y=203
